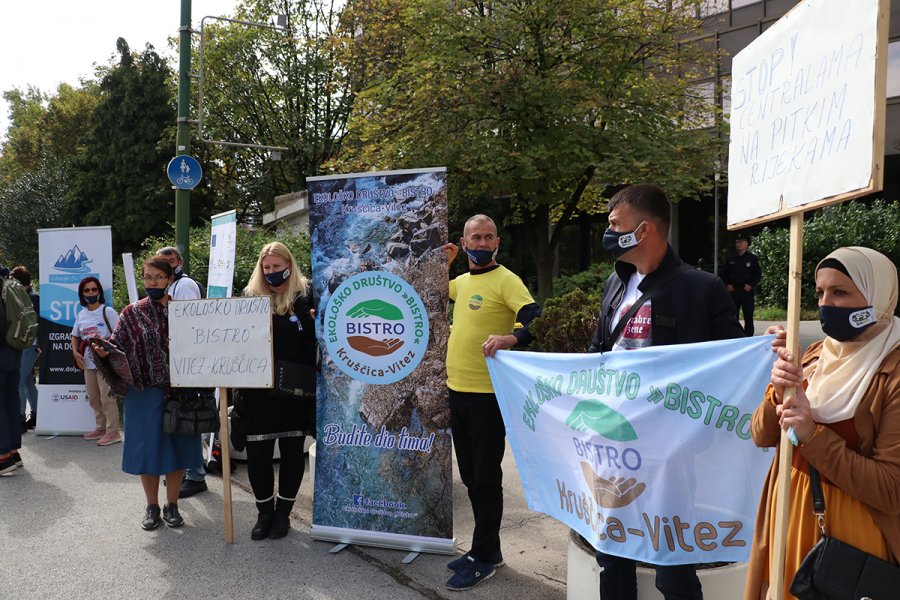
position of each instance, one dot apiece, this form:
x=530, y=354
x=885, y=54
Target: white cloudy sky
x=47, y=42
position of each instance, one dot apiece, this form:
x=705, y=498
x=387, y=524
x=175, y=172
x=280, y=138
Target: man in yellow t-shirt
x=489, y=301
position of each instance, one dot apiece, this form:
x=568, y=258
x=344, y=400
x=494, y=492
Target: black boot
x=32, y=420
x=281, y=523
x=264, y=521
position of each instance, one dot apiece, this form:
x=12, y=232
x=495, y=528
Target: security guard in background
x=741, y=276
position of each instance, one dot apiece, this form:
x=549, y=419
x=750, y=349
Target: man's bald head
x=478, y=219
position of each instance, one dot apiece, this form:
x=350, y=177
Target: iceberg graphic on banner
x=74, y=261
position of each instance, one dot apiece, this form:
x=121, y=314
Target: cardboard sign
x=221, y=342
x=807, y=112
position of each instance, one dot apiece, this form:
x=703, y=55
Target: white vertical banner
x=222, y=248
x=130, y=281
x=67, y=256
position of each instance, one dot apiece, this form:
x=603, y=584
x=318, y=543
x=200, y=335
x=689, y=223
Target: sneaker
x=456, y=564
x=470, y=574
x=171, y=516
x=151, y=517
x=189, y=487
x=18, y=460
x=95, y=434
x=113, y=437
x=8, y=465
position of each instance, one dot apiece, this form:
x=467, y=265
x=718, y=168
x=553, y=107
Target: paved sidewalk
x=70, y=528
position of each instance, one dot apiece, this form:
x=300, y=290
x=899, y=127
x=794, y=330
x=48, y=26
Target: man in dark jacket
x=676, y=304
x=742, y=275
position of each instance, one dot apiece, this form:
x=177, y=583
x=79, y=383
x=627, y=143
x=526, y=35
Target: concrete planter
x=583, y=577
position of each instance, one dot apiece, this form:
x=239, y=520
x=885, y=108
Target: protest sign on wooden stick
x=807, y=130
x=222, y=343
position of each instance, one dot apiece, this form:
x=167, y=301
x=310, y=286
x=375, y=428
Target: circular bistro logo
x=376, y=327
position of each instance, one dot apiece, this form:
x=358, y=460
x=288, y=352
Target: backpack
x=20, y=322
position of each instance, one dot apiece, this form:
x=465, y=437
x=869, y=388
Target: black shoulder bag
x=191, y=411
x=834, y=570
x=295, y=381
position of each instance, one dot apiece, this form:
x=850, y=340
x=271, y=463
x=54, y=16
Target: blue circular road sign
x=184, y=172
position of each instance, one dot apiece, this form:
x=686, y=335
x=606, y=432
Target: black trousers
x=743, y=302
x=618, y=580
x=262, y=473
x=479, y=439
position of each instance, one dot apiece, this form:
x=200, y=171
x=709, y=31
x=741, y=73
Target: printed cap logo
x=376, y=327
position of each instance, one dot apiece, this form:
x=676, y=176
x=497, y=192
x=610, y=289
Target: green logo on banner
x=595, y=416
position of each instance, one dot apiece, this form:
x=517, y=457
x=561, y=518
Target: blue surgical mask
x=156, y=293
x=481, y=258
x=617, y=243
x=278, y=277
x=844, y=324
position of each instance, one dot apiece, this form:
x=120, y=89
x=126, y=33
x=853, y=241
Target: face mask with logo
x=843, y=324
x=617, y=243
x=481, y=258
x=178, y=271
x=91, y=299
x=156, y=293
x=278, y=277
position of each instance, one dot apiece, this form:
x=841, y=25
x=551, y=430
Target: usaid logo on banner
x=72, y=266
x=376, y=327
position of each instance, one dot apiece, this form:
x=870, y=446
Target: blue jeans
x=27, y=390
x=198, y=474
x=10, y=419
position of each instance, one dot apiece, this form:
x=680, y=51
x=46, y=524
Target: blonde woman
x=278, y=414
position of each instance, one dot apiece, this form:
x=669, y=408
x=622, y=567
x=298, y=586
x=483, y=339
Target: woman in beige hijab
x=846, y=416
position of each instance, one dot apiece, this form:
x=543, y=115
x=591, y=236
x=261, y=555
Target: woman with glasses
x=96, y=319
x=142, y=335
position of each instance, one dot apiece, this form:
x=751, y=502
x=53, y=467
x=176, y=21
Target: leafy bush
x=248, y=244
x=590, y=280
x=875, y=225
x=567, y=322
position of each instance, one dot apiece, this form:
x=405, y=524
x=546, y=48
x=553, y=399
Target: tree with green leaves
x=34, y=199
x=45, y=126
x=120, y=179
x=273, y=88
x=545, y=105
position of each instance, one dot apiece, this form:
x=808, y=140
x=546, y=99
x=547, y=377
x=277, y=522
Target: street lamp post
x=183, y=136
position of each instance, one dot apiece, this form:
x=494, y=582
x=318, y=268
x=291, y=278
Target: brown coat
x=871, y=474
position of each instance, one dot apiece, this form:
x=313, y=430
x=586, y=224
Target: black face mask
x=156, y=293
x=278, y=277
x=481, y=257
x=617, y=243
x=91, y=299
x=843, y=324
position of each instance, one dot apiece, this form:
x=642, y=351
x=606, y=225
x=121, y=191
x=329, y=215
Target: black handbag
x=294, y=381
x=191, y=411
x=834, y=570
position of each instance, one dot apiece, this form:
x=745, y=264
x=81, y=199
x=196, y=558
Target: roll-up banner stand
x=67, y=256
x=383, y=453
